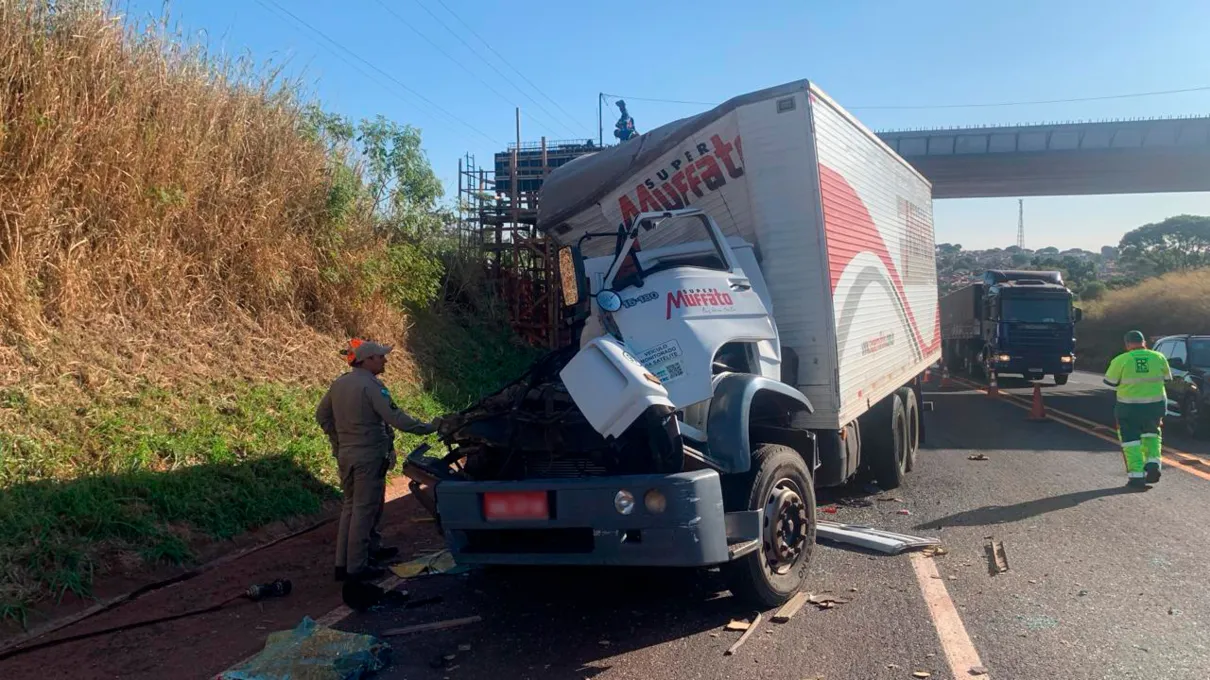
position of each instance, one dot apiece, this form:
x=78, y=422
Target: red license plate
x=512, y=505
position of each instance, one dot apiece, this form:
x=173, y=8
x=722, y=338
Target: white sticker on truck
x=662, y=360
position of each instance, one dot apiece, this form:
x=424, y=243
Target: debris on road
x=744, y=638
x=312, y=650
x=830, y=509
x=934, y=551
x=922, y=674
x=997, y=559
x=890, y=499
x=737, y=625
x=855, y=502
x=826, y=601
x=441, y=562
x=977, y=456
x=436, y=625
x=978, y=670
x=903, y=511
x=887, y=542
x=789, y=609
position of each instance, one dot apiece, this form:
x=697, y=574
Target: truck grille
x=563, y=468
x=1024, y=336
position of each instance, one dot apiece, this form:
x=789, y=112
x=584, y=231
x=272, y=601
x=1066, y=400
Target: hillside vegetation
x=1178, y=302
x=185, y=244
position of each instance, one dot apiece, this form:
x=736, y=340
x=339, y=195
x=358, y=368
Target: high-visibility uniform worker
x=357, y=413
x=1138, y=375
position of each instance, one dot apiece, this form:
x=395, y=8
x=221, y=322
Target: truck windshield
x=1199, y=352
x=1035, y=310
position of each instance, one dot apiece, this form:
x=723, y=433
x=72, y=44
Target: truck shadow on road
x=1004, y=514
x=552, y=622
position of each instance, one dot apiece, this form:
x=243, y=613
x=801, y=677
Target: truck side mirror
x=1078, y=314
x=571, y=275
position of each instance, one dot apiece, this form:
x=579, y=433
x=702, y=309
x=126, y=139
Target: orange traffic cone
x=945, y=376
x=1038, y=412
x=993, y=390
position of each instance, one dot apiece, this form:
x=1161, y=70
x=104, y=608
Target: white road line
x=960, y=652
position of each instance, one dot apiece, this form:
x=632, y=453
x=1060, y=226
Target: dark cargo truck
x=1012, y=323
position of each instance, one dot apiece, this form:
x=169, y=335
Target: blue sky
x=864, y=53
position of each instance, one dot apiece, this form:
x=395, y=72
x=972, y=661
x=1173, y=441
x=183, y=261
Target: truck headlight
x=623, y=502
x=1065, y=360
x=1003, y=358
x=654, y=501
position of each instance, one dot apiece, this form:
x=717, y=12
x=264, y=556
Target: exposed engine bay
x=531, y=428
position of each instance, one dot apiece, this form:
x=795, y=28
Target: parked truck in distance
x=1011, y=323
x=754, y=298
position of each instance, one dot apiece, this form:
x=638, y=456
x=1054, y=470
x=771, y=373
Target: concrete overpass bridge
x=1112, y=157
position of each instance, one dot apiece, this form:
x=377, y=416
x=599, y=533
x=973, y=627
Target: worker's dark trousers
x=1139, y=429
x=363, y=483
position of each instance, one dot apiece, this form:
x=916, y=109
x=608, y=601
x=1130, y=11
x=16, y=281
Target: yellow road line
x=960, y=652
x=1173, y=457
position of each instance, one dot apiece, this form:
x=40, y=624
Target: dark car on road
x=1189, y=389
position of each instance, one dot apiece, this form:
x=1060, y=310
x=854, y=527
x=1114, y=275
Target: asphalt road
x=1101, y=584
x=1086, y=396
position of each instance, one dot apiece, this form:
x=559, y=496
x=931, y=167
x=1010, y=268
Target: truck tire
x=911, y=408
x=884, y=439
x=779, y=483
x=1061, y=379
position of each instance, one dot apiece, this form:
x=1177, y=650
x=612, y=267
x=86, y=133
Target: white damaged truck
x=754, y=295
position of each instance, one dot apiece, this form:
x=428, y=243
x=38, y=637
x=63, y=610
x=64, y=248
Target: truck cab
x=1030, y=325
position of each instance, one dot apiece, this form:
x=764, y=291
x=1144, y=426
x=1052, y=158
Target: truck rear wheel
x=884, y=437
x=912, y=409
x=780, y=484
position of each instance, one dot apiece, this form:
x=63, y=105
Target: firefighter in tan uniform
x=358, y=415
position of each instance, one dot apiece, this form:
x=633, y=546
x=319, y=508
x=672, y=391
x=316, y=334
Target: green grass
x=145, y=473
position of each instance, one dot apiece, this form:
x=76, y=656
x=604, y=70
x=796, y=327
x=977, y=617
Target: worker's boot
x=1153, y=472
x=1137, y=483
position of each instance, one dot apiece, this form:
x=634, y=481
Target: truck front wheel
x=1061, y=379
x=779, y=483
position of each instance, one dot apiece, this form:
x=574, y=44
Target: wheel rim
x=786, y=526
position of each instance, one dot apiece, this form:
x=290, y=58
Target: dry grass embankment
x=1174, y=303
x=175, y=279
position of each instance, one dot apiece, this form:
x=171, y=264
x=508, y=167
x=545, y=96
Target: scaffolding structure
x=498, y=215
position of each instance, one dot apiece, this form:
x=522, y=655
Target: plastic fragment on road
x=978, y=670
x=441, y=562
x=825, y=601
x=934, y=551
x=977, y=456
x=887, y=542
x=312, y=652
x=830, y=509
x=922, y=674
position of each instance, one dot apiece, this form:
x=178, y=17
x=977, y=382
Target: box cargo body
x=842, y=226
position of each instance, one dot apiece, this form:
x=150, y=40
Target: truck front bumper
x=1049, y=365
x=586, y=528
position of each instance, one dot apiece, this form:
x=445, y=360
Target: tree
x=1020, y=259
x=1094, y=290
x=1180, y=242
x=1109, y=253
x=1049, y=250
